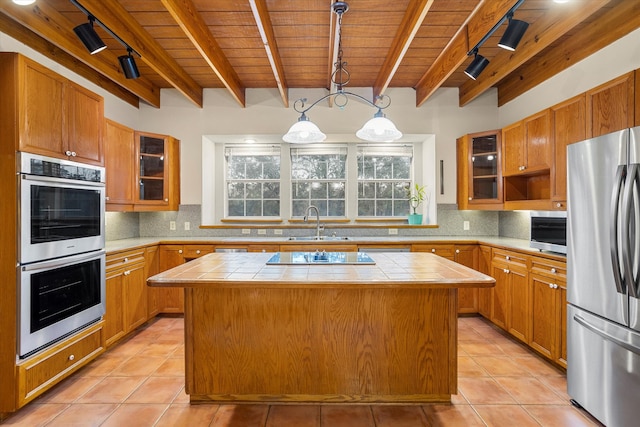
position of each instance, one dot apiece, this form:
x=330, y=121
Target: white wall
x=265, y=114
x=608, y=63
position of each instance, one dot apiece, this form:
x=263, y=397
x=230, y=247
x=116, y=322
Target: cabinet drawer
x=549, y=268
x=195, y=251
x=121, y=259
x=444, y=250
x=503, y=256
x=43, y=371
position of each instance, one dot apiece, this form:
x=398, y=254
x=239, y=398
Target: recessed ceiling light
x=24, y=2
x=250, y=141
x=561, y=1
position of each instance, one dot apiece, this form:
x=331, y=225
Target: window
x=252, y=181
x=318, y=177
x=384, y=175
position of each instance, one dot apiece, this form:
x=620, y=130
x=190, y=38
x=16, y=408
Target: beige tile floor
x=140, y=382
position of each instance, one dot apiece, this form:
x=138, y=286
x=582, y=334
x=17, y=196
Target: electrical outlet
x=465, y=225
x=172, y=225
x=277, y=232
x=187, y=225
x=393, y=231
x=262, y=231
x=246, y=231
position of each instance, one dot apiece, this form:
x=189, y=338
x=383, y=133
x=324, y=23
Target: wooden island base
x=273, y=337
x=321, y=345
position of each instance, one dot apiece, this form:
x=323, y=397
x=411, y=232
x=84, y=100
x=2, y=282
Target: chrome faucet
x=306, y=219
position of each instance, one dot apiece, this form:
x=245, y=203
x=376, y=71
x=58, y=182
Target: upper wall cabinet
x=479, y=171
x=120, y=164
x=55, y=117
x=569, y=119
x=610, y=106
x=526, y=145
x=157, y=172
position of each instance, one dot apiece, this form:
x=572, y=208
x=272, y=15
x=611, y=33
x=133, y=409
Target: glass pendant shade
x=304, y=131
x=379, y=129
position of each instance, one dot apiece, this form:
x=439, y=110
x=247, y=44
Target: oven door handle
x=66, y=181
x=64, y=261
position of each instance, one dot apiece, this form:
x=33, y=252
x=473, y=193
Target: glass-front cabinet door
x=157, y=172
x=485, y=177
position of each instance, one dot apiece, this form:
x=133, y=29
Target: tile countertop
x=505, y=242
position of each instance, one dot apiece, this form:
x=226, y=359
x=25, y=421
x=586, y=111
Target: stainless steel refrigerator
x=603, y=273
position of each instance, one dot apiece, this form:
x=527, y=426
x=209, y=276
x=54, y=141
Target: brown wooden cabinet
x=126, y=294
x=55, y=116
x=548, y=309
x=157, y=180
x=466, y=255
x=569, y=118
x=610, y=106
x=171, y=300
x=510, y=305
x=151, y=268
x=479, y=171
x=120, y=166
x=485, y=295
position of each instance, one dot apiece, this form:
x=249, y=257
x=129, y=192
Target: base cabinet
x=510, y=304
x=126, y=294
x=485, y=295
x=44, y=370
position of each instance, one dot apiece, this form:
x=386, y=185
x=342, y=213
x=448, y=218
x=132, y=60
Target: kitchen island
x=321, y=332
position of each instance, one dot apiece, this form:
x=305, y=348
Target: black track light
x=128, y=64
x=476, y=67
x=89, y=37
x=513, y=34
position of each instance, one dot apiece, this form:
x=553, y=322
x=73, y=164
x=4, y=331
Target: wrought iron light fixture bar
x=377, y=129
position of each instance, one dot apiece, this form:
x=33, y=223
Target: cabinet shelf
x=485, y=177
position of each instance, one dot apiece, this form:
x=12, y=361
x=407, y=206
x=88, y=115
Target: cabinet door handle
x=166, y=200
x=553, y=270
x=180, y=251
x=71, y=357
x=507, y=257
x=433, y=250
x=126, y=273
x=125, y=259
x=198, y=252
x=457, y=251
x=551, y=285
x=558, y=205
x=470, y=198
x=73, y=154
x=67, y=153
x=506, y=271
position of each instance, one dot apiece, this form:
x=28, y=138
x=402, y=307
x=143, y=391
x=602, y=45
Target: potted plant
x=416, y=196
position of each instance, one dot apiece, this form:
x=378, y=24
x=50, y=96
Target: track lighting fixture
x=89, y=37
x=128, y=64
x=476, y=67
x=513, y=34
x=94, y=44
x=378, y=129
x=509, y=40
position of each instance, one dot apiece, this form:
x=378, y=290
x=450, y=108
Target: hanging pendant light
x=304, y=131
x=378, y=129
x=128, y=64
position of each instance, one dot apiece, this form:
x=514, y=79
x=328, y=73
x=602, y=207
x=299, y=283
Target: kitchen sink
x=315, y=238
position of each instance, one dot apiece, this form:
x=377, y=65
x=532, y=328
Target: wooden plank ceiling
x=238, y=44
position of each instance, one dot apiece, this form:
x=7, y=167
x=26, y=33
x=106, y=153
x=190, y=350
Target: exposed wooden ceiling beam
x=49, y=24
x=538, y=36
x=411, y=22
x=483, y=18
x=614, y=24
x=34, y=41
x=193, y=25
x=113, y=15
x=261, y=15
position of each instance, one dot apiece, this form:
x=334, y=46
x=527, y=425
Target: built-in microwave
x=549, y=231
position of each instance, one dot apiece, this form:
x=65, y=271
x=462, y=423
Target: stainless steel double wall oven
x=61, y=280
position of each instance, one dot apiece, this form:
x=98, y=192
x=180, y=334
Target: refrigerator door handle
x=621, y=174
x=606, y=335
x=628, y=252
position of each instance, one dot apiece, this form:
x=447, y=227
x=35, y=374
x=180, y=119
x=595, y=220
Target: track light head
x=476, y=67
x=89, y=37
x=513, y=34
x=128, y=64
